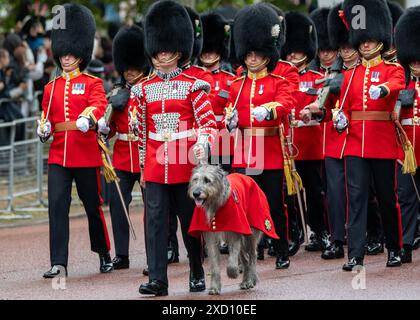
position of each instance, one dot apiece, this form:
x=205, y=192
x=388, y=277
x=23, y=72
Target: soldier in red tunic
x=258, y=104
x=178, y=124
x=72, y=104
x=368, y=98
x=407, y=38
x=300, y=49
x=131, y=63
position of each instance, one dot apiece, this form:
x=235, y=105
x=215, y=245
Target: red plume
x=343, y=18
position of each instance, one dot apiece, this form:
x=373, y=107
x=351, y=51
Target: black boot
x=271, y=252
x=56, y=271
x=353, y=262
x=394, y=259
x=282, y=261
x=173, y=255
x=406, y=254
x=146, y=271
x=121, y=262
x=374, y=247
x=197, y=283
x=154, y=287
x=105, y=263
x=318, y=242
x=335, y=251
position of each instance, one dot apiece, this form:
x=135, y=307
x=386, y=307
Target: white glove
x=44, y=132
x=260, y=113
x=102, y=127
x=82, y=124
x=374, y=92
x=199, y=152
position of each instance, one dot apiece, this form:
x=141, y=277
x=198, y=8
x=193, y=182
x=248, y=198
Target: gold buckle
x=166, y=136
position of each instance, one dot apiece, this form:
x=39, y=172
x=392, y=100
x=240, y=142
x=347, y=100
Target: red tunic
x=202, y=74
x=413, y=132
x=71, y=96
x=126, y=153
x=259, y=152
x=246, y=207
x=307, y=138
x=178, y=105
x=372, y=138
x=222, y=81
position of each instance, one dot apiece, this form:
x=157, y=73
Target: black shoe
x=173, y=256
x=224, y=248
x=154, y=287
x=374, y=247
x=335, y=251
x=394, y=259
x=353, y=262
x=260, y=252
x=294, y=247
x=416, y=243
x=56, y=271
x=314, y=243
x=105, y=263
x=406, y=254
x=271, y=252
x=121, y=262
x=282, y=262
x=146, y=271
x=197, y=284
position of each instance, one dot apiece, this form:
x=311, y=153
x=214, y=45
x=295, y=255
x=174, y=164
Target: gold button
x=214, y=228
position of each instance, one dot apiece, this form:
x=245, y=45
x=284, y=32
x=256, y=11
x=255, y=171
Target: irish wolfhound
x=233, y=208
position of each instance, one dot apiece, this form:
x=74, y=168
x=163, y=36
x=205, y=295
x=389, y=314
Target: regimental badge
x=78, y=88
x=375, y=76
x=267, y=224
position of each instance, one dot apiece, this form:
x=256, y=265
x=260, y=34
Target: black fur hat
x=407, y=36
x=378, y=22
x=77, y=37
x=282, y=23
x=301, y=35
x=320, y=19
x=396, y=11
x=256, y=28
x=216, y=31
x=337, y=30
x=198, y=32
x=168, y=28
x=128, y=49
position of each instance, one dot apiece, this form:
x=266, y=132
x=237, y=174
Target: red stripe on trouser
x=397, y=204
x=347, y=197
x=101, y=213
x=286, y=213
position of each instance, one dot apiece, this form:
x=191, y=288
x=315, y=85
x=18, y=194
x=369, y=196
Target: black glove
x=406, y=97
x=120, y=99
x=335, y=83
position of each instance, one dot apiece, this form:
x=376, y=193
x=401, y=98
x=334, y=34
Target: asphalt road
x=25, y=256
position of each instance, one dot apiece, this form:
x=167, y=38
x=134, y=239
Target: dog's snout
x=196, y=193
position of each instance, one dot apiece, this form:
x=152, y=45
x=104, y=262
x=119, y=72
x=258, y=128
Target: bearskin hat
x=128, y=49
x=216, y=31
x=282, y=22
x=198, y=32
x=168, y=28
x=300, y=36
x=407, y=36
x=378, y=22
x=337, y=30
x=396, y=11
x=256, y=28
x=77, y=37
x=320, y=19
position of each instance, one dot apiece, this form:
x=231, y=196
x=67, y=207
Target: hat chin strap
x=299, y=62
x=75, y=63
x=174, y=56
x=254, y=68
x=415, y=71
x=209, y=63
x=372, y=53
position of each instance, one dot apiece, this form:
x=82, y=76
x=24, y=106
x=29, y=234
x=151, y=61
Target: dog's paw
x=214, y=291
x=245, y=285
x=232, y=272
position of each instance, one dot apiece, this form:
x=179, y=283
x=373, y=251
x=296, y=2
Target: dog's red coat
x=246, y=207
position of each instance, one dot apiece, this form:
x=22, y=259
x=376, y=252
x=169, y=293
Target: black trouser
x=271, y=183
x=120, y=226
x=374, y=223
x=336, y=196
x=88, y=183
x=409, y=203
x=359, y=173
x=160, y=200
x=173, y=227
x=310, y=172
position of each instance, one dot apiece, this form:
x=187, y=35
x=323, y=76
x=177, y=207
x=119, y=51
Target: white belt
x=126, y=137
x=410, y=122
x=300, y=124
x=218, y=117
x=167, y=136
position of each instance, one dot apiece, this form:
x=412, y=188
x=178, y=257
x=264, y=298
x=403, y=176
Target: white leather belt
x=166, y=137
x=410, y=122
x=126, y=137
x=300, y=124
x=218, y=117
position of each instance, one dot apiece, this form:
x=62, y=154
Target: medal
x=78, y=88
x=217, y=88
x=375, y=76
x=261, y=91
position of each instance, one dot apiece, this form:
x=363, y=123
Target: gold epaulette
x=277, y=76
x=89, y=75
x=237, y=79
x=53, y=80
x=392, y=63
